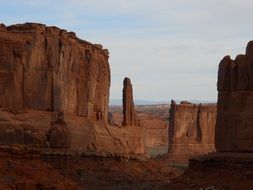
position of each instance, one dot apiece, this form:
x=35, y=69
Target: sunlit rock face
x=191, y=127
x=47, y=68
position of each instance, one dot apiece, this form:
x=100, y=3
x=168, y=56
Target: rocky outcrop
x=191, y=127
x=47, y=68
x=129, y=115
x=234, y=132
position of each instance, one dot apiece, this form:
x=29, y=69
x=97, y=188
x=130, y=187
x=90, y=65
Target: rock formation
x=191, y=127
x=46, y=68
x=234, y=132
x=129, y=116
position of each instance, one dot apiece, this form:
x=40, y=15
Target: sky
x=170, y=49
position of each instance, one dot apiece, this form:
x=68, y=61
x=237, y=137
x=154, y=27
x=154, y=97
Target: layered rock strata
x=191, y=127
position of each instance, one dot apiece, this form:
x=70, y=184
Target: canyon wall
x=191, y=127
x=234, y=131
x=47, y=68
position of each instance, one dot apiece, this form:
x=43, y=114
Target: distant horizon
x=169, y=49
x=118, y=101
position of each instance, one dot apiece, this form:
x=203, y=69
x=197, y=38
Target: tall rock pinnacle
x=129, y=116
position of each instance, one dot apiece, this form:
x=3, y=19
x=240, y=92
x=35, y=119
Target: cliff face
x=129, y=115
x=191, y=128
x=234, y=130
x=46, y=68
x=47, y=71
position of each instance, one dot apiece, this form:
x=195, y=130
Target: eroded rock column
x=129, y=115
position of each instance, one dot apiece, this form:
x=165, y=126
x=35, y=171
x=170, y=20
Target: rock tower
x=129, y=115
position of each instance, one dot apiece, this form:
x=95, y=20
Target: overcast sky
x=169, y=48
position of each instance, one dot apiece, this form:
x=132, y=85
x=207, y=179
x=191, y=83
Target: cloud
x=170, y=49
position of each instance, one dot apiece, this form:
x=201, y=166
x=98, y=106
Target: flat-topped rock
x=191, y=127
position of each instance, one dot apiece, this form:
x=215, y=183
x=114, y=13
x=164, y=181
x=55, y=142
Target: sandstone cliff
x=46, y=70
x=129, y=115
x=234, y=130
x=191, y=127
